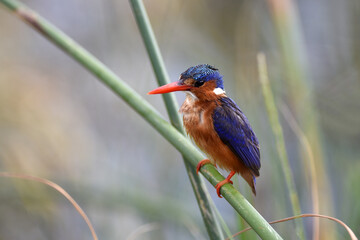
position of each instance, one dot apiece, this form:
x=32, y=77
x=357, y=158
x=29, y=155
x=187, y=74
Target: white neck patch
x=218, y=91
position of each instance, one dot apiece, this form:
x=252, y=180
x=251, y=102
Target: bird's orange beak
x=171, y=87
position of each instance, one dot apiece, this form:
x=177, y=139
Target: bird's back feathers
x=235, y=131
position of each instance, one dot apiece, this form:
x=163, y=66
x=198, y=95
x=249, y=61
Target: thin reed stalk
x=280, y=142
x=202, y=196
x=299, y=94
x=310, y=162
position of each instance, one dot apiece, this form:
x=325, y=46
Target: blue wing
x=234, y=130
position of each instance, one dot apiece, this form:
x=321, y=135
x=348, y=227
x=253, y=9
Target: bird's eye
x=199, y=83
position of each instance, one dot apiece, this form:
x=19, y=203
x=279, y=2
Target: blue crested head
x=203, y=72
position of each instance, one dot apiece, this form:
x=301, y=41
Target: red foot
x=227, y=180
x=202, y=163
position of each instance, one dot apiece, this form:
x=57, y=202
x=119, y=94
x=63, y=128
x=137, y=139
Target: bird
x=216, y=124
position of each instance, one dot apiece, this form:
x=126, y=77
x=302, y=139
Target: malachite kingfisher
x=216, y=124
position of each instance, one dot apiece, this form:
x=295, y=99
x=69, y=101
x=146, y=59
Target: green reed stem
x=202, y=196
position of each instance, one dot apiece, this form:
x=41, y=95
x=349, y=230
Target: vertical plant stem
x=300, y=95
x=156, y=59
x=143, y=108
x=310, y=165
x=201, y=194
x=280, y=142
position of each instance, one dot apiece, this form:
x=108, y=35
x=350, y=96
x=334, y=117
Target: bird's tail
x=250, y=179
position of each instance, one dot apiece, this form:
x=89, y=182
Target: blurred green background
x=58, y=122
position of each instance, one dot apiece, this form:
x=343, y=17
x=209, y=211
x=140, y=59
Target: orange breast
x=198, y=123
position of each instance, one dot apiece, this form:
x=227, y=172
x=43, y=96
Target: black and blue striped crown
x=204, y=72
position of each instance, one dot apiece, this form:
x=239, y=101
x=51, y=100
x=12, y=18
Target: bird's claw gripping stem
x=202, y=163
x=226, y=180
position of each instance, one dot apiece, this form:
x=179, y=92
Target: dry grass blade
x=350, y=232
x=60, y=190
